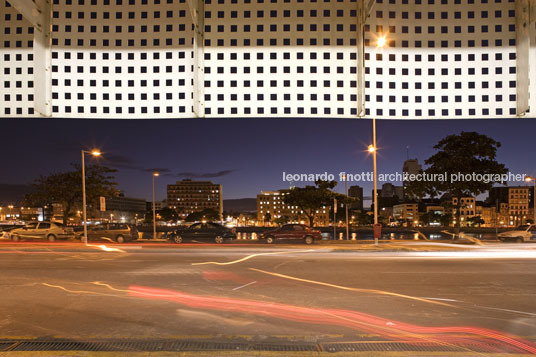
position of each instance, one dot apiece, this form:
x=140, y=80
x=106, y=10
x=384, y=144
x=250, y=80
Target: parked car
x=118, y=232
x=292, y=232
x=6, y=228
x=212, y=232
x=523, y=233
x=42, y=230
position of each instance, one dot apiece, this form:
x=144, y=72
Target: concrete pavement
x=282, y=295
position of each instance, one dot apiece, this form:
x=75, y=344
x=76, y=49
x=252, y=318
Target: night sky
x=244, y=155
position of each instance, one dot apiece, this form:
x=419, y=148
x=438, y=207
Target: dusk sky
x=244, y=155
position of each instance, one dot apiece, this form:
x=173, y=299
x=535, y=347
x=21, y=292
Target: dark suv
x=292, y=232
x=202, y=232
x=119, y=232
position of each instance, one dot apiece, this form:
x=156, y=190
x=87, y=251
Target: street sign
x=102, y=204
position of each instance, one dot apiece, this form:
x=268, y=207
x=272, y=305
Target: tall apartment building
x=273, y=203
x=518, y=204
x=410, y=167
x=188, y=196
x=292, y=58
x=513, y=203
x=356, y=192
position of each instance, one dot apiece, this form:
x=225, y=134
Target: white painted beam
x=532, y=58
x=364, y=8
x=525, y=57
x=197, y=11
x=39, y=14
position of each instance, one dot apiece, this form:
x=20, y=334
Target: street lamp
x=155, y=174
x=95, y=153
x=372, y=149
x=529, y=179
x=380, y=43
x=346, y=205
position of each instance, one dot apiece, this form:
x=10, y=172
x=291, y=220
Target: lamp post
x=94, y=153
x=346, y=206
x=529, y=179
x=372, y=149
x=380, y=43
x=155, y=174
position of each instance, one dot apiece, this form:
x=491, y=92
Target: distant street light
x=155, y=174
x=529, y=179
x=95, y=153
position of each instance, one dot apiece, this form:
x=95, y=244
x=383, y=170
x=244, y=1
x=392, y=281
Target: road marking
x=508, y=310
x=243, y=286
x=252, y=256
x=374, y=291
x=441, y=299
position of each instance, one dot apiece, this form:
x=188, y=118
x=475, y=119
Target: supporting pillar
x=364, y=7
x=39, y=14
x=197, y=11
x=525, y=57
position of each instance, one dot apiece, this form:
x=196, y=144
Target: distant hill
x=240, y=205
x=12, y=194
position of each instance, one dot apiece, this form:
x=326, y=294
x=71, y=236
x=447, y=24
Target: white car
x=42, y=230
x=523, y=233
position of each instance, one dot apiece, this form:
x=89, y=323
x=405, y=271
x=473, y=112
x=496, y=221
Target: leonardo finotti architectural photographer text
x=404, y=176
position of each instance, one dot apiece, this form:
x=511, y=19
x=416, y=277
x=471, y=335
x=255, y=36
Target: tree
x=168, y=214
x=475, y=221
x=445, y=219
x=267, y=217
x=429, y=218
x=282, y=220
x=465, y=154
x=311, y=199
x=66, y=188
x=207, y=214
x=364, y=219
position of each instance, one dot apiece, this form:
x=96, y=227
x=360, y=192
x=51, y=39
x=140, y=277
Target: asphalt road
x=466, y=302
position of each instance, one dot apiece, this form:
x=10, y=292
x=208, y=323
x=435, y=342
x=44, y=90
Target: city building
x=406, y=212
x=513, y=203
x=388, y=196
x=356, y=192
x=410, y=167
x=158, y=205
x=467, y=209
x=441, y=59
x=188, y=196
x=435, y=209
x=271, y=204
x=518, y=205
x=124, y=209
